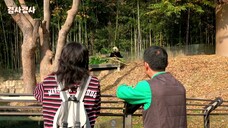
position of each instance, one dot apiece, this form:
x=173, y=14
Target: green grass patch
x=21, y=124
x=97, y=60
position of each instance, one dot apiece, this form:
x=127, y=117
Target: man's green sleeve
x=140, y=94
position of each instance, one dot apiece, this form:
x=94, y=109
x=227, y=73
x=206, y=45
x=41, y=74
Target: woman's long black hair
x=73, y=64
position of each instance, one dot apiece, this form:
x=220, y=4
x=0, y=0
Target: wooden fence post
x=127, y=121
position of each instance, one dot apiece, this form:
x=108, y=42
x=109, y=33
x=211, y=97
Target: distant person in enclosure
x=163, y=97
x=115, y=53
x=72, y=71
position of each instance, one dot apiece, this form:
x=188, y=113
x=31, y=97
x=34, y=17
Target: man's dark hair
x=73, y=64
x=156, y=57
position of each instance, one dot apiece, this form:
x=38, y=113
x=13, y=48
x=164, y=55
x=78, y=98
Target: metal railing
x=30, y=109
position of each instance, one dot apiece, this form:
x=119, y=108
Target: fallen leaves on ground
x=204, y=76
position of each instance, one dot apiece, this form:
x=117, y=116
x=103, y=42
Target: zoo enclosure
x=24, y=107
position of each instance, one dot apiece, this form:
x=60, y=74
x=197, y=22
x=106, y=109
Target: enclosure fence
x=24, y=107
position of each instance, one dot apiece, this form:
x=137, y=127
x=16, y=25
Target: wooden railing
x=25, y=107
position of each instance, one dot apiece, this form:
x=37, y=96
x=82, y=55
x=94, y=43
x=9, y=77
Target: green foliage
x=97, y=60
x=166, y=7
x=105, y=51
x=104, y=38
x=21, y=124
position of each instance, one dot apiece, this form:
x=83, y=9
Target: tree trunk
x=91, y=45
x=28, y=64
x=132, y=39
x=29, y=29
x=150, y=37
x=46, y=66
x=16, y=46
x=139, y=30
x=221, y=29
x=117, y=23
x=79, y=32
x=135, y=41
x=44, y=32
x=5, y=42
x=180, y=37
x=200, y=31
x=30, y=37
x=160, y=38
x=86, y=33
x=187, y=32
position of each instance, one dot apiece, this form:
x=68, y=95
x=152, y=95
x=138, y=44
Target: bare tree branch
x=44, y=42
x=47, y=15
x=20, y=18
x=16, y=17
x=65, y=30
x=30, y=19
x=36, y=28
x=44, y=32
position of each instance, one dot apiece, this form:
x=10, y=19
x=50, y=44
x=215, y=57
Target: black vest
x=168, y=106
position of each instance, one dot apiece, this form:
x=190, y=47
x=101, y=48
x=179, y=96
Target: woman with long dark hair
x=72, y=72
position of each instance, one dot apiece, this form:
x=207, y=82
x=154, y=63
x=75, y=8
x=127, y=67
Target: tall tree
x=139, y=29
x=33, y=30
x=221, y=28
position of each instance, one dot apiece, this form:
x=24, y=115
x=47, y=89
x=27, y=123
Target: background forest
x=131, y=25
x=181, y=26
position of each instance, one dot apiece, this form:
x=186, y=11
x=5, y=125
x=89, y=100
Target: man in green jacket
x=163, y=97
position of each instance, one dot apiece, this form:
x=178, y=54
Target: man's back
x=168, y=108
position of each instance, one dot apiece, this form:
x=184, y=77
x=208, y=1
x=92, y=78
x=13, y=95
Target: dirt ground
x=204, y=76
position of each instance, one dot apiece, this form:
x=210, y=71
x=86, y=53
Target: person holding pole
x=163, y=97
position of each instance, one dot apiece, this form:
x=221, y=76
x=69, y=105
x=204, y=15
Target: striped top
x=47, y=92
